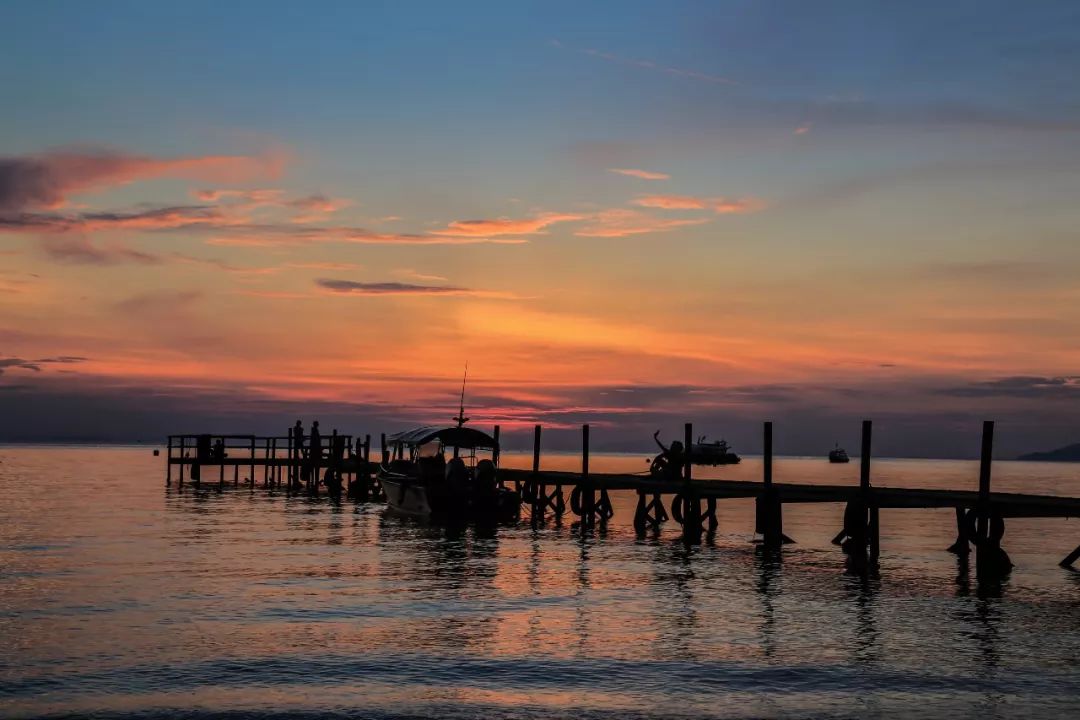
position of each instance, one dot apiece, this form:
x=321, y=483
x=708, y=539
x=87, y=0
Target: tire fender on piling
x=677, y=508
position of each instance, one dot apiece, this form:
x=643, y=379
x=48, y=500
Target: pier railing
x=294, y=456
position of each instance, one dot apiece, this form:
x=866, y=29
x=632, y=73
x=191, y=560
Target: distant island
x=1069, y=453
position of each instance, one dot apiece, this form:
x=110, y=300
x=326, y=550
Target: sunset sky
x=228, y=215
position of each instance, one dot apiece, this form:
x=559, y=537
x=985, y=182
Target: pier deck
x=1009, y=504
x=980, y=514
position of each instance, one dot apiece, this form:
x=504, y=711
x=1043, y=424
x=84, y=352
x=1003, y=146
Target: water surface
x=123, y=598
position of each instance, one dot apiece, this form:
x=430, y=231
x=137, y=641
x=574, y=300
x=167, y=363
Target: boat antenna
x=461, y=419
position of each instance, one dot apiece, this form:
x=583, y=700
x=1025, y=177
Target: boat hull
x=413, y=499
x=405, y=498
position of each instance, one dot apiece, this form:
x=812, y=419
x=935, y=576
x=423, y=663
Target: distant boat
x=838, y=455
x=713, y=453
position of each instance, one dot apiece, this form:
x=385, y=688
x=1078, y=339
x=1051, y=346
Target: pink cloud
x=46, y=180
x=642, y=174
x=621, y=223
x=719, y=205
x=505, y=226
x=278, y=236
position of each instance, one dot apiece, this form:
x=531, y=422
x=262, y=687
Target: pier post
x=168, y=462
x=536, y=492
x=872, y=524
x=766, y=459
x=495, y=452
x=289, y=455
x=691, y=502
x=990, y=559
x=985, y=458
x=588, y=494
x=864, y=459
x=181, y=481
x=861, y=528
x=770, y=522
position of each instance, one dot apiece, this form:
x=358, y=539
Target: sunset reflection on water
x=120, y=595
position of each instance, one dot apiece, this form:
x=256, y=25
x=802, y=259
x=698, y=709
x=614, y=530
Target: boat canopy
x=461, y=437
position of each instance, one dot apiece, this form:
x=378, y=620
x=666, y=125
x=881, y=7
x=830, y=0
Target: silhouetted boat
x=838, y=455
x=422, y=483
x=712, y=453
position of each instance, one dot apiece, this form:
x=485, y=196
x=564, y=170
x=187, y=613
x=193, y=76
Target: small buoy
x=156, y=453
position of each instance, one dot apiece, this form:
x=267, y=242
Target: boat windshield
x=431, y=449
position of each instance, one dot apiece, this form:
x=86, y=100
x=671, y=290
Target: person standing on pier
x=314, y=454
x=298, y=450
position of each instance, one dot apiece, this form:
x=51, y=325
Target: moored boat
x=420, y=482
x=838, y=455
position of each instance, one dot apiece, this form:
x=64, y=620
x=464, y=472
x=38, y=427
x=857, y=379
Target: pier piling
x=770, y=519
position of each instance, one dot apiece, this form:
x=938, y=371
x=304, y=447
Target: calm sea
x=119, y=597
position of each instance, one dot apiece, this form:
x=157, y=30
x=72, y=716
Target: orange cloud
x=504, y=226
x=721, y=206
x=621, y=223
x=642, y=174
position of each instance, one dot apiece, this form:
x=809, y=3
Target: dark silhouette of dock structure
x=980, y=514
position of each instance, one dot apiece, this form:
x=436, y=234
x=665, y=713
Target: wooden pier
x=337, y=462
x=341, y=461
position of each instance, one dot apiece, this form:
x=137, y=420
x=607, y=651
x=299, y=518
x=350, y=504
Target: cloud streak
x=719, y=205
x=622, y=223
x=505, y=226
x=671, y=70
x=47, y=180
x=350, y=287
x=81, y=251
x=641, y=174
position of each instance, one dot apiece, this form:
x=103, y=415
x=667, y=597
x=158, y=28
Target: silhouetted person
x=218, y=453
x=298, y=449
x=316, y=443
x=298, y=438
x=669, y=462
